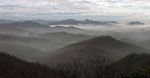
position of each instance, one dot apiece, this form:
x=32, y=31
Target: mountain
x=29, y=24
x=21, y=51
x=77, y=22
x=69, y=29
x=13, y=31
x=143, y=43
x=12, y=38
x=44, y=22
x=104, y=46
x=12, y=67
x=87, y=21
x=136, y=23
x=34, y=28
x=66, y=22
x=19, y=28
x=64, y=37
x=130, y=63
x=35, y=42
x=133, y=61
x=26, y=26
x=2, y=21
x=47, y=41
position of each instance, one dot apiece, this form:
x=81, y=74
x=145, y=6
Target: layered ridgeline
x=104, y=46
x=21, y=28
x=84, y=22
x=12, y=67
x=136, y=23
x=129, y=66
x=64, y=37
x=25, y=24
x=142, y=43
x=47, y=41
x=35, y=48
x=34, y=42
x=34, y=28
x=22, y=51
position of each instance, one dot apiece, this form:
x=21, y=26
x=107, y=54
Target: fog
x=116, y=27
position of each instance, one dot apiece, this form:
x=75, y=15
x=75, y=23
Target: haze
x=74, y=38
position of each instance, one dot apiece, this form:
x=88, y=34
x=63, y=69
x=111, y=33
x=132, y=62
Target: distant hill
x=13, y=31
x=143, y=43
x=69, y=29
x=35, y=28
x=136, y=23
x=104, y=46
x=35, y=42
x=133, y=61
x=12, y=38
x=24, y=24
x=64, y=37
x=44, y=22
x=77, y=22
x=130, y=63
x=47, y=41
x=12, y=67
x=20, y=28
x=66, y=22
x=21, y=51
x=2, y=21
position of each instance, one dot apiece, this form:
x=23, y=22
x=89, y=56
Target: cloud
x=42, y=8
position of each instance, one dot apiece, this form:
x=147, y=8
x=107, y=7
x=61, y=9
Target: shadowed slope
x=21, y=51
x=104, y=46
x=12, y=67
x=127, y=64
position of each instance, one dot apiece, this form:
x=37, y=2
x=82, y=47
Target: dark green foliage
x=133, y=63
x=141, y=73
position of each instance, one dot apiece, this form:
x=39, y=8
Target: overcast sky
x=117, y=10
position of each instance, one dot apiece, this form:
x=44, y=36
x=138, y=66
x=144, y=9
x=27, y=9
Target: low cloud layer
x=80, y=9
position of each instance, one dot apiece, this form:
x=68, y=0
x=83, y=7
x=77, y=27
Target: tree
x=91, y=67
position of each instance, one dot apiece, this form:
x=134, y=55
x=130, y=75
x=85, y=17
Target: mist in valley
x=76, y=48
x=74, y=39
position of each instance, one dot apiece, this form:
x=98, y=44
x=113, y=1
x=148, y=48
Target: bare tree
x=89, y=67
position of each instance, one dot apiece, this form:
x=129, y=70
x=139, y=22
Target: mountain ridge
x=11, y=66
x=130, y=63
x=86, y=21
x=104, y=45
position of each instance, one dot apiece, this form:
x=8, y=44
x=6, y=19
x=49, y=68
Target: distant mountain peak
x=25, y=23
x=106, y=46
x=136, y=23
x=86, y=21
x=105, y=38
x=113, y=22
x=70, y=20
x=61, y=33
x=30, y=22
x=3, y=21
